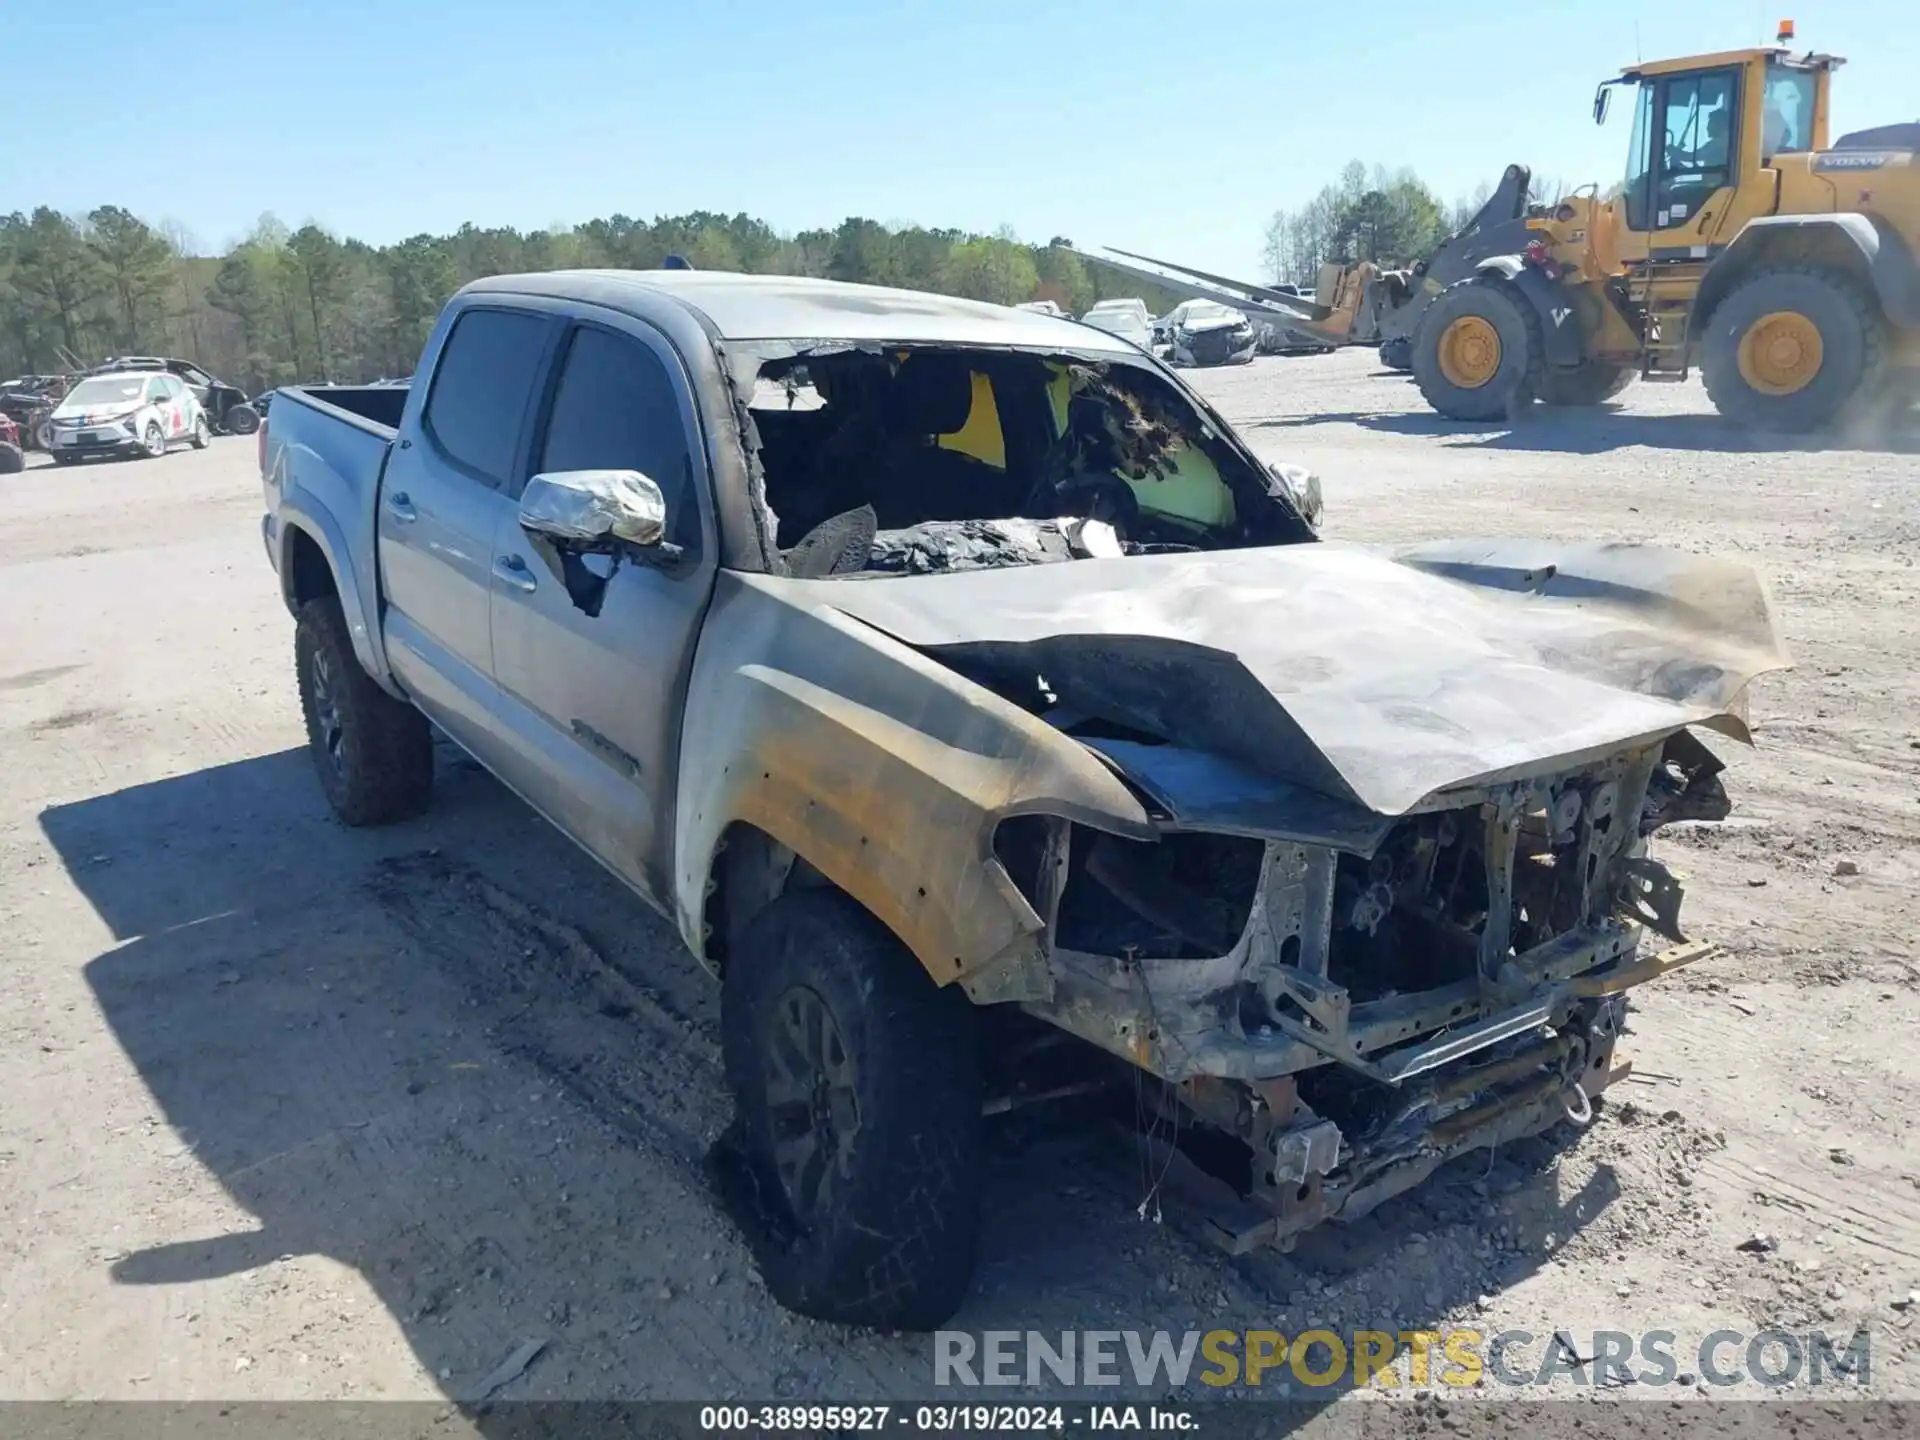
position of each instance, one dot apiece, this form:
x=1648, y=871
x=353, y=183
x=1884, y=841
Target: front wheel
x=374, y=754
x=1477, y=351
x=153, y=444
x=1793, y=348
x=858, y=1090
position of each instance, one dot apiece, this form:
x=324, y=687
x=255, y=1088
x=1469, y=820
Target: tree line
x=282, y=305
x=300, y=305
x=1387, y=216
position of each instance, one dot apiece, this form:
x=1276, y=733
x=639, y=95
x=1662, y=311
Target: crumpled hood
x=1368, y=676
x=1207, y=324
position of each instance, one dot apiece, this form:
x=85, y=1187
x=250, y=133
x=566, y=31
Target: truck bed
x=376, y=406
x=323, y=454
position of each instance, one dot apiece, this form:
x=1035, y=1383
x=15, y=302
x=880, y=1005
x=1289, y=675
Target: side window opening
x=1699, y=143
x=481, y=387
x=926, y=459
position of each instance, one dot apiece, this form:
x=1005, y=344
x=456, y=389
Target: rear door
x=160, y=406
x=179, y=409
x=592, y=704
x=443, y=494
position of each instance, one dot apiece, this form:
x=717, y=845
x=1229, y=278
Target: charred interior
x=909, y=461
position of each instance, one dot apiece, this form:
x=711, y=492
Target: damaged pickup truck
x=995, y=726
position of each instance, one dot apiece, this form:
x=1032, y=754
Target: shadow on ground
x=1607, y=428
x=459, y=1058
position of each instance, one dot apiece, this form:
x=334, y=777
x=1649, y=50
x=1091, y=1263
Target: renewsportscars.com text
x=1459, y=1358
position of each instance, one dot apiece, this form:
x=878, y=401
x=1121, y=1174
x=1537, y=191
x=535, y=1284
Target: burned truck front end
x=1330, y=1019
x=1397, y=884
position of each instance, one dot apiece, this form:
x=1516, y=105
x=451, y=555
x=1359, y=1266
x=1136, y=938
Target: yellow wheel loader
x=1785, y=267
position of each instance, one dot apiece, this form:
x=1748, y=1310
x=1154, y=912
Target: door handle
x=513, y=570
x=401, y=508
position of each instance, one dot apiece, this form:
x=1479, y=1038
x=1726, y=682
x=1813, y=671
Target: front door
x=442, y=496
x=1684, y=165
x=591, y=704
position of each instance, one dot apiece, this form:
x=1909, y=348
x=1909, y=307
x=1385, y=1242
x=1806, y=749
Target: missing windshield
x=919, y=460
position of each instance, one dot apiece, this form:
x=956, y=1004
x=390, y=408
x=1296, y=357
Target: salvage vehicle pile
x=1012, y=698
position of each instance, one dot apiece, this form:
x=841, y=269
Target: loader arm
x=1361, y=304
x=1333, y=323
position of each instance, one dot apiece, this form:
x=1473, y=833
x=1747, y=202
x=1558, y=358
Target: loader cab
x=1706, y=129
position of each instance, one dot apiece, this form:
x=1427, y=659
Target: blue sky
x=1168, y=128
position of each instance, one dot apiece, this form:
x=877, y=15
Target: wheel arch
x=1561, y=328
x=1861, y=245
x=313, y=563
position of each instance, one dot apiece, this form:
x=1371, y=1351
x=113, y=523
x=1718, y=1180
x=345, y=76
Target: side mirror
x=1602, y=100
x=595, y=511
x=1301, y=488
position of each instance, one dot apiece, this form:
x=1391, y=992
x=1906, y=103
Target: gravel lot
x=293, y=1111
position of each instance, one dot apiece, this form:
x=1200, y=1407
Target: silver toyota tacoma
x=995, y=726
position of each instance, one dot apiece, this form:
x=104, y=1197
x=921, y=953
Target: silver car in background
x=1129, y=319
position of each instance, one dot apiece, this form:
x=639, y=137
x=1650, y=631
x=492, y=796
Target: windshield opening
x=1786, y=125
x=921, y=460
x=108, y=390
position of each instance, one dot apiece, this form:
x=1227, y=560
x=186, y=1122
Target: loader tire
x=858, y=1089
x=1592, y=384
x=374, y=753
x=1793, y=348
x=1477, y=353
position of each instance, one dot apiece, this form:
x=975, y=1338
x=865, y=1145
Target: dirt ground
x=293, y=1111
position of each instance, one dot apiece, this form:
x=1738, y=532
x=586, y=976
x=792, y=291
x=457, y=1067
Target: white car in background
x=1129, y=319
x=131, y=412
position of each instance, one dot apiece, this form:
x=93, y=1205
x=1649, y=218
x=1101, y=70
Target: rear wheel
x=1792, y=348
x=858, y=1089
x=1592, y=384
x=374, y=754
x=1477, y=351
x=242, y=419
x=201, y=435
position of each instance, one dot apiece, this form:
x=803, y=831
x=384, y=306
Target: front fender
x=882, y=769
x=1560, y=325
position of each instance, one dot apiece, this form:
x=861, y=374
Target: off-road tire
x=240, y=420
x=1852, y=343
x=895, y=1248
x=201, y=436
x=1592, y=384
x=12, y=458
x=373, y=753
x=1514, y=385
x=153, y=441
